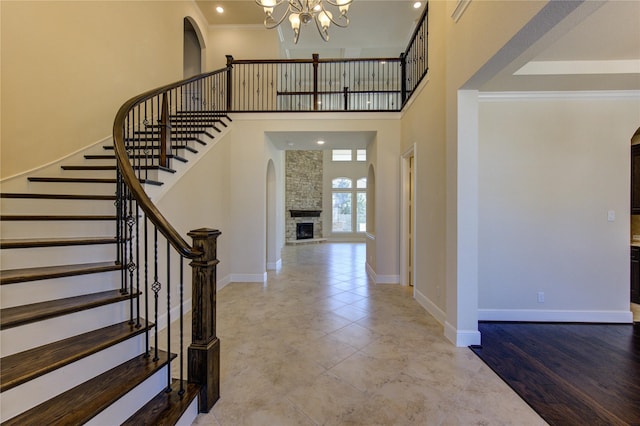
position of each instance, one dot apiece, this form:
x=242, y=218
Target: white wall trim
x=220, y=284
x=249, y=278
x=430, y=307
x=535, y=315
x=460, y=9
x=274, y=266
x=592, y=94
x=387, y=279
x=107, y=140
x=404, y=225
x=461, y=338
x=381, y=279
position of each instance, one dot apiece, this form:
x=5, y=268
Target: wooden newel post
x=204, y=351
x=165, y=132
x=229, y=82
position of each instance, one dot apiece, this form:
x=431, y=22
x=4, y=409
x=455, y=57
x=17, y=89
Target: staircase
x=75, y=345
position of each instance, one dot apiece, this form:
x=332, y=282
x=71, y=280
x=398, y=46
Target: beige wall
x=550, y=172
x=241, y=43
x=67, y=66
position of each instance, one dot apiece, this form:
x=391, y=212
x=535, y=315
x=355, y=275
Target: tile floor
x=319, y=344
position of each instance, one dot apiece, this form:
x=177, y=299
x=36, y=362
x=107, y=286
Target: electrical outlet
x=541, y=297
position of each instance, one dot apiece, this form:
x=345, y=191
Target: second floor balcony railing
x=318, y=84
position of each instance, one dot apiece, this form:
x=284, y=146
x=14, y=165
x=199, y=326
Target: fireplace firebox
x=304, y=231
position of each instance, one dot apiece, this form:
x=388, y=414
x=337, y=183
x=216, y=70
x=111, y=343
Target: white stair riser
x=129, y=404
x=18, y=339
x=106, y=174
x=28, y=395
x=60, y=228
x=30, y=206
x=189, y=415
x=56, y=288
x=52, y=256
x=71, y=188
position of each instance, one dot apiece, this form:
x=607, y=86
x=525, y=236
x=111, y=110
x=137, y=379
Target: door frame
x=408, y=183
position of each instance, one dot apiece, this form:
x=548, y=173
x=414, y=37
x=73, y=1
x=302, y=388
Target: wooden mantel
x=305, y=213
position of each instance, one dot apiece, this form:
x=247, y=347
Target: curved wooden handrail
x=129, y=176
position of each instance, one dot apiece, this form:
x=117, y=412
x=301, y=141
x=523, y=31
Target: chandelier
x=304, y=11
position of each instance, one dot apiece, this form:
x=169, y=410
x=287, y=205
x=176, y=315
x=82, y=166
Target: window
x=361, y=155
x=344, y=217
x=341, y=155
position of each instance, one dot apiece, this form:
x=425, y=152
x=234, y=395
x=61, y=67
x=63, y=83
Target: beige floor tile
x=320, y=344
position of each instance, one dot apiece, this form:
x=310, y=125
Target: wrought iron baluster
x=156, y=286
x=168, y=286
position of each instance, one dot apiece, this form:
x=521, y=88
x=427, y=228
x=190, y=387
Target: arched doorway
x=192, y=51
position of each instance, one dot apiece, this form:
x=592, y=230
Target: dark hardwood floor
x=571, y=374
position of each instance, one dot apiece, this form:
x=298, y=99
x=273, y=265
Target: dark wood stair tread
x=13, y=276
x=155, y=147
x=21, y=217
x=71, y=180
x=155, y=156
x=165, y=408
x=24, y=366
x=54, y=242
x=83, y=402
x=58, y=196
x=101, y=167
x=25, y=314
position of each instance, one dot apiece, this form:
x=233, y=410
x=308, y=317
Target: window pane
x=341, y=212
x=362, y=212
x=361, y=155
x=341, y=155
x=341, y=183
x=362, y=183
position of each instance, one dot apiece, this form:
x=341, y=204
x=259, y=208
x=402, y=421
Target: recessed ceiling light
x=219, y=9
x=320, y=142
x=417, y=5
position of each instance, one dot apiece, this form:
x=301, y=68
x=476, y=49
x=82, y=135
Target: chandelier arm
x=323, y=33
x=271, y=25
x=343, y=17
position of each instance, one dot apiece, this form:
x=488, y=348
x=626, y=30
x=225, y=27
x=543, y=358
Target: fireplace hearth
x=304, y=231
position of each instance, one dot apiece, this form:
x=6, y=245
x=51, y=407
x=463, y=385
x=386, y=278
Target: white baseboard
x=381, y=279
x=175, y=314
x=535, y=315
x=430, y=307
x=274, y=266
x=461, y=338
x=223, y=282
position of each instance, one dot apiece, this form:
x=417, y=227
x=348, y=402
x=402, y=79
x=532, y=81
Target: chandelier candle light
x=303, y=11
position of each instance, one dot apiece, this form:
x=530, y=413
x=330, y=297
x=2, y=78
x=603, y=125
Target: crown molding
x=591, y=94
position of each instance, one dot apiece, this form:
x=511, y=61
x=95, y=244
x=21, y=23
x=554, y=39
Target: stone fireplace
x=303, y=192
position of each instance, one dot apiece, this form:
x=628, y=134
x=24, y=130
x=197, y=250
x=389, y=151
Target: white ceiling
x=377, y=29
x=597, y=47
x=309, y=140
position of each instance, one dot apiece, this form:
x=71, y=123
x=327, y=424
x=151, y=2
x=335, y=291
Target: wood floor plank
x=24, y=366
x=571, y=374
x=83, y=402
